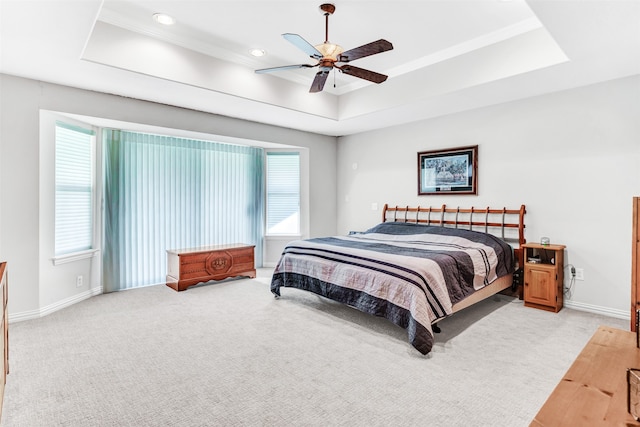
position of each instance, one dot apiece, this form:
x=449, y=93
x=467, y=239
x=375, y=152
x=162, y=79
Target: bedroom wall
x=36, y=286
x=572, y=157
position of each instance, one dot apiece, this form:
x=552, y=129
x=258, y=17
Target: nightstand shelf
x=543, y=276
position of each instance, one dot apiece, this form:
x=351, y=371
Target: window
x=74, y=153
x=283, y=192
x=163, y=192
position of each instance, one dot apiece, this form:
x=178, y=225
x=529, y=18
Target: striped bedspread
x=410, y=274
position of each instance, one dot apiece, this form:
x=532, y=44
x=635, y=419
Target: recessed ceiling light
x=164, y=19
x=257, y=52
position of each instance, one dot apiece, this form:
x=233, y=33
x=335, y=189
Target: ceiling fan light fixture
x=163, y=18
x=330, y=50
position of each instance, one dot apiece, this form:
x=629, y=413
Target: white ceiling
x=448, y=56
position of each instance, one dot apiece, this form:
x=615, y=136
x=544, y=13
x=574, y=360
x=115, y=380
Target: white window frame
x=304, y=193
x=95, y=196
x=300, y=190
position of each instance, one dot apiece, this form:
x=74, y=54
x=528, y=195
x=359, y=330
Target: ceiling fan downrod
x=327, y=9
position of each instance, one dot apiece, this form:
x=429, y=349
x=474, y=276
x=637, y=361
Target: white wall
x=35, y=286
x=573, y=158
x=19, y=129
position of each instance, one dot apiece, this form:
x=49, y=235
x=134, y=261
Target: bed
x=418, y=266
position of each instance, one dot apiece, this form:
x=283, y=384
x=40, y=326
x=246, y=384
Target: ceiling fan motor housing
x=326, y=64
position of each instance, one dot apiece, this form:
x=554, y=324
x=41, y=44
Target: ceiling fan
x=329, y=55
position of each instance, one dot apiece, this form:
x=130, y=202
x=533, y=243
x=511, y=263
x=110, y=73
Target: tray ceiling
x=448, y=56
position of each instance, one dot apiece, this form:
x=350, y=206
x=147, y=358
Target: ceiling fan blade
x=284, y=67
x=303, y=45
x=372, y=76
x=318, y=81
x=365, y=50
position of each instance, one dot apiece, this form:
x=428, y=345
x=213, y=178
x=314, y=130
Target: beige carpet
x=229, y=354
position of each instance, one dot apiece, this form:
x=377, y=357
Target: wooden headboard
x=508, y=224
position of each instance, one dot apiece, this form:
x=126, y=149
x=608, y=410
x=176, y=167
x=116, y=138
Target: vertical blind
x=170, y=193
x=283, y=193
x=74, y=188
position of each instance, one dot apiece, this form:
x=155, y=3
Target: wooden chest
x=188, y=267
x=593, y=392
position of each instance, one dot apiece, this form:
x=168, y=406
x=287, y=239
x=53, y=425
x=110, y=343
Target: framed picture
x=452, y=171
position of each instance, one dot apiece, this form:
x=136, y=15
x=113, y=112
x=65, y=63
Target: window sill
x=76, y=256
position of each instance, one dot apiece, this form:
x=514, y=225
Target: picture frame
x=450, y=171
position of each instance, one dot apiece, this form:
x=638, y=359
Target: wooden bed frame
x=507, y=224
x=409, y=310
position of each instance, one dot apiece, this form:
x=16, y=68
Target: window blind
x=283, y=193
x=74, y=188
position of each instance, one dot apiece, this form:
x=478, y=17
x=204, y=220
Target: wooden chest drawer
x=188, y=267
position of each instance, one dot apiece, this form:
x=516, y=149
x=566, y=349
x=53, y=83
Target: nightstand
x=543, y=276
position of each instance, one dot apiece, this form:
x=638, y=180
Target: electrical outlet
x=79, y=281
x=579, y=273
x=374, y=206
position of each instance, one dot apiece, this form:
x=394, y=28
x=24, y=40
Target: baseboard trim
x=35, y=314
x=51, y=308
x=611, y=312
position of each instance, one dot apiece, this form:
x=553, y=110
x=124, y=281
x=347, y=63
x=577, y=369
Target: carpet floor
x=229, y=354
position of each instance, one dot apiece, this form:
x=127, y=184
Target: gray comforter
x=410, y=274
